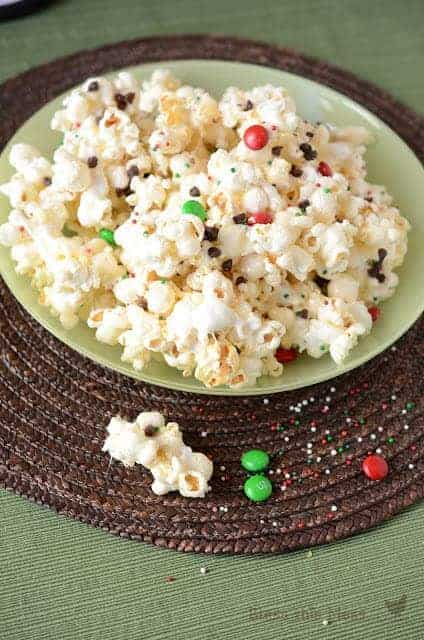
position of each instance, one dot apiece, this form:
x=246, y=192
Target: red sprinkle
x=325, y=169
x=285, y=355
x=375, y=467
x=255, y=137
x=374, y=313
x=262, y=217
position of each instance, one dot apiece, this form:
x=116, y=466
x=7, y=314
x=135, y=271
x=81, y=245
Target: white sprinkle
x=333, y=389
x=379, y=450
x=222, y=467
x=297, y=409
x=327, y=472
x=278, y=471
x=286, y=439
x=394, y=348
x=313, y=429
x=327, y=431
x=274, y=524
x=373, y=436
x=203, y=570
x=318, y=458
x=309, y=445
x=410, y=465
x=309, y=554
x=403, y=411
x=394, y=397
x=406, y=427
x=261, y=521
x=359, y=439
x=266, y=401
x=271, y=472
x=333, y=452
x=204, y=434
x=287, y=476
x=325, y=623
x=312, y=399
x=305, y=402
x=328, y=398
x=348, y=420
x=380, y=429
x=291, y=408
x=283, y=487
x=223, y=478
x=333, y=507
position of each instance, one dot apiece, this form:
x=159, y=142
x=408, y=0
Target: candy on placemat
x=258, y=488
x=255, y=460
x=194, y=208
x=375, y=467
x=255, y=137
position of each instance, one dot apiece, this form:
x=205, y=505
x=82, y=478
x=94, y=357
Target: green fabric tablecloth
x=62, y=579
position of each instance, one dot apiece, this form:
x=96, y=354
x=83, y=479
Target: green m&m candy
x=194, y=208
x=108, y=236
x=257, y=488
x=255, y=460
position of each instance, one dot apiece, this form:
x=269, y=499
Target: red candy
x=375, y=467
x=285, y=355
x=255, y=137
x=374, y=313
x=260, y=218
x=325, y=169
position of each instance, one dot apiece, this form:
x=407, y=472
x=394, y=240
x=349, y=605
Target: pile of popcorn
x=226, y=236
x=160, y=448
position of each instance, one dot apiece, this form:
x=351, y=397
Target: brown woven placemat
x=55, y=404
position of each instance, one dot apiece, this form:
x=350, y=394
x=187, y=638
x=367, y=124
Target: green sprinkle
x=346, y=446
x=329, y=438
x=348, y=188
x=233, y=169
x=410, y=406
x=163, y=281
x=323, y=347
x=340, y=449
x=194, y=208
x=297, y=423
x=108, y=236
x=361, y=420
x=125, y=276
x=254, y=460
x=178, y=175
x=390, y=440
x=270, y=162
x=187, y=166
x=327, y=190
x=145, y=233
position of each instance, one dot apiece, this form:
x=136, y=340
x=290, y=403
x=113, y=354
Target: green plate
x=390, y=162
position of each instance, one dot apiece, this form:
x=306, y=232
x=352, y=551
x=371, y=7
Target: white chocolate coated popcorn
x=160, y=448
x=293, y=247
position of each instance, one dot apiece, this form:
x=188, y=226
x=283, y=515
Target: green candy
x=194, y=208
x=108, y=236
x=257, y=488
x=255, y=460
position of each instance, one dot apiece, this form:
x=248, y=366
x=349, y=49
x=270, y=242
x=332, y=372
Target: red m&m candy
x=261, y=217
x=255, y=137
x=285, y=355
x=375, y=467
x=325, y=169
x=374, y=313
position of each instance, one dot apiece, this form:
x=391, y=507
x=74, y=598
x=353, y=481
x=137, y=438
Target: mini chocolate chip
x=214, y=252
x=302, y=205
x=240, y=280
x=310, y=134
x=93, y=86
x=369, y=199
x=133, y=171
x=142, y=302
x=123, y=192
x=227, y=265
x=308, y=152
x=194, y=192
x=121, y=101
x=47, y=181
x=296, y=172
x=211, y=233
x=129, y=97
x=248, y=106
x=302, y=314
x=382, y=253
x=241, y=218
x=276, y=151
x=322, y=283
x=146, y=175
x=92, y=162
x=150, y=430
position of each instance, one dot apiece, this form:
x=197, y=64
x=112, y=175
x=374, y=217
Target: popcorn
x=160, y=448
x=295, y=247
